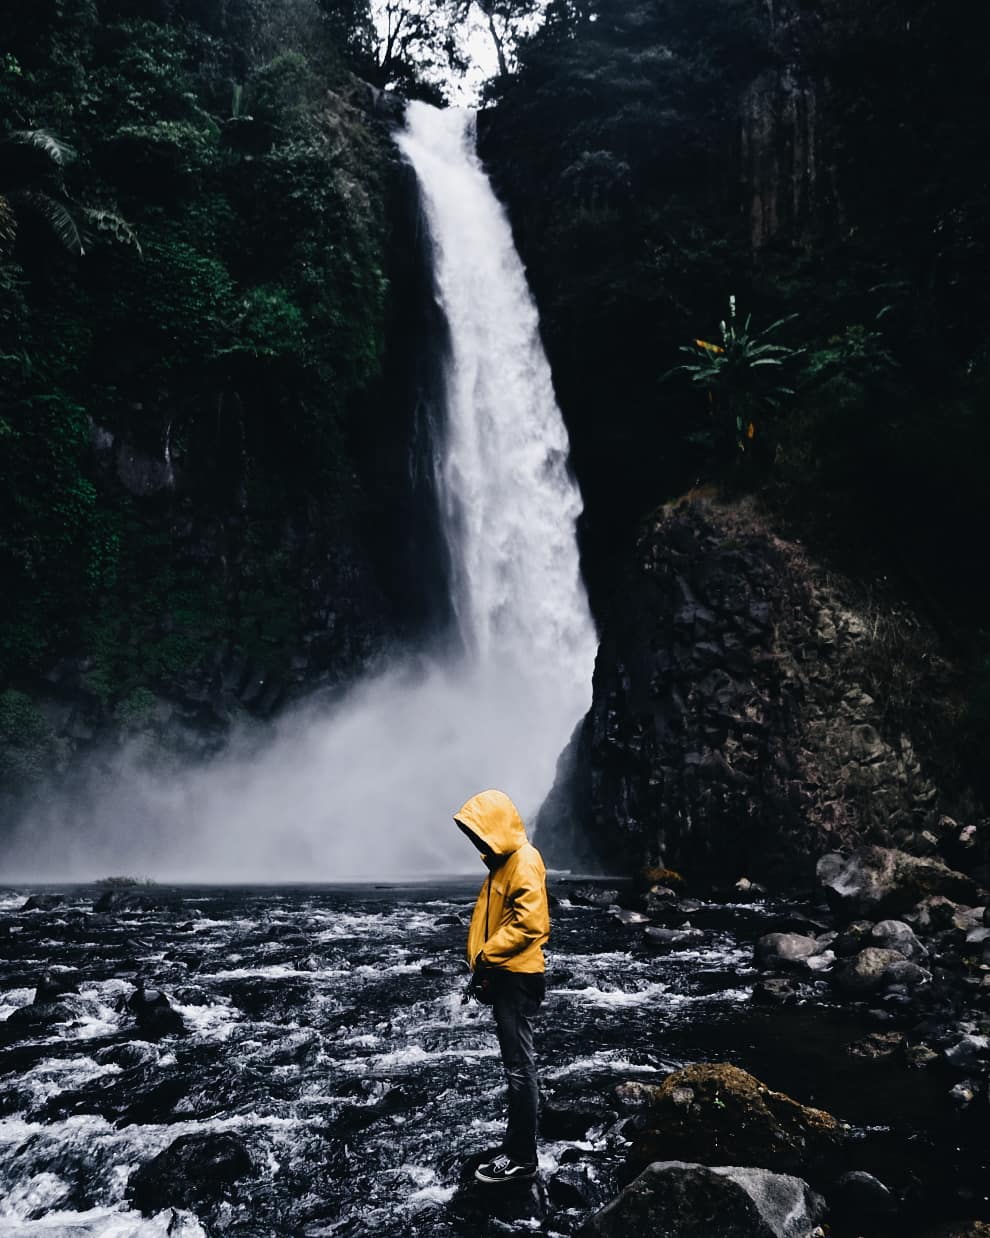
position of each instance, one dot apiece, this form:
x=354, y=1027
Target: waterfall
x=508, y=503
x=368, y=789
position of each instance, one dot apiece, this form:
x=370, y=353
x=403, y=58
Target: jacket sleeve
x=528, y=917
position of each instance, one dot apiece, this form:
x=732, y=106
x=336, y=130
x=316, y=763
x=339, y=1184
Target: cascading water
x=368, y=789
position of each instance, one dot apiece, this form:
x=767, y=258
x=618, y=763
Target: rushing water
x=323, y=1028
x=367, y=789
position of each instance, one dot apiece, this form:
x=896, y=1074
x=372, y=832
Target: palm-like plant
x=743, y=376
x=32, y=181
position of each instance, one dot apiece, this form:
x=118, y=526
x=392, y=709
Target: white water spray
x=368, y=789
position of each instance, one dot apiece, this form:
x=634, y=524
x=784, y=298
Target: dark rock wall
x=751, y=711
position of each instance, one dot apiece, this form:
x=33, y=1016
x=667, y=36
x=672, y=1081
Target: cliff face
x=752, y=711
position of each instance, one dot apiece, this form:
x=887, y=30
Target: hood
x=496, y=821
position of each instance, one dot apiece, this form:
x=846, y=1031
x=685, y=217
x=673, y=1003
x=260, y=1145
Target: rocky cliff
x=753, y=710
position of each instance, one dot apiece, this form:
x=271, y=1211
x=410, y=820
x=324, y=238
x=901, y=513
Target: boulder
x=969, y=1053
x=853, y=938
x=53, y=985
x=593, y=896
x=859, y=1196
x=876, y=1045
x=41, y=1014
x=672, y=939
x=154, y=1014
x=867, y=971
x=776, y=991
x=713, y=1112
x=127, y=898
x=881, y=881
x=43, y=902
x=676, y=1199
x=130, y=1056
x=192, y=1170
x=577, y=1186
x=785, y=950
x=896, y=935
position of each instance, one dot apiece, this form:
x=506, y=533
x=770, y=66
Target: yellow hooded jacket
x=511, y=918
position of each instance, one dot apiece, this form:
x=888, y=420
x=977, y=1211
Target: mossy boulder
x=718, y=1114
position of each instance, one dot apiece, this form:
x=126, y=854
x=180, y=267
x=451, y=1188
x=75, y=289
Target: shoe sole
x=523, y=1177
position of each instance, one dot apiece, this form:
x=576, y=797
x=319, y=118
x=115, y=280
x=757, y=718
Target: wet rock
x=41, y=1014
x=193, y=1170
x=933, y=913
x=634, y=1094
x=128, y=899
x=593, y=896
x=53, y=985
x=658, y=899
x=853, y=938
x=577, y=1186
x=749, y=891
x=672, y=938
x=442, y=967
x=776, y=991
x=969, y=1053
x=134, y=1054
x=43, y=902
x=884, y=882
x=625, y=916
x=859, y=1196
x=476, y=1204
x=785, y=950
x=154, y=1014
x=682, y=1200
x=573, y=1116
x=919, y=1056
x=443, y=921
x=297, y=1049
x=714, y=1112
x=876, y=1045
x=963, y=1094
x=867, y=971
x=896, y=935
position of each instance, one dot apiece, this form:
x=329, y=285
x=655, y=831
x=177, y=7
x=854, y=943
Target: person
x=510, y=923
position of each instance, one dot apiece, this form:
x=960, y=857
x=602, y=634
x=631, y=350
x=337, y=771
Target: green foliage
x=228, y=313
x=741, y=380
x=28, y=748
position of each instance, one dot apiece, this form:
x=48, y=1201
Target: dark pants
x=517, y=997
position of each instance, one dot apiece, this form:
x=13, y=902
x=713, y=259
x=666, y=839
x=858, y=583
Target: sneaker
x=504, y=1169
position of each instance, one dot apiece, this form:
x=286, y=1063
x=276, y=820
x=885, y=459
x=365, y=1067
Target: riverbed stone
x=776, y=991
x=860, y=1196
x=130, y=899
x=896, y=935
x=154, y=1014
x=867, y=971
x=53, y=985
x=577, y=1186
x=876, y=1045
x=43, y=902
x=192, y=1170
x=785, y=950
x=969, y=1053
x=672, y=939
x=883, y=881
x=853, y=938
x=713, y=1112
x=677, y=1199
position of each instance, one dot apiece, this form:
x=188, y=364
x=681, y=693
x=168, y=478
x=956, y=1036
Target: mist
x=366, y=788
